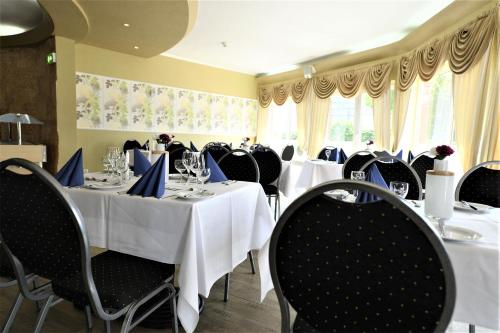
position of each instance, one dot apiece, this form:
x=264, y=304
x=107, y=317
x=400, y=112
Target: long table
x=207, y=238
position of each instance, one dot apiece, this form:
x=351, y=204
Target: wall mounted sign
x=105, y=103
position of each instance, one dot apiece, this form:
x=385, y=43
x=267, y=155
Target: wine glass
x=122, y=168
x=358, y=175
x=399, y=188
x=204, y=176
x=328, y=152
x=198, y=164
x=187, y=160
x=180, y=167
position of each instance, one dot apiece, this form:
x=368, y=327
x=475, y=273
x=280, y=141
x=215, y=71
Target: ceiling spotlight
x=224, y=44
x=136, y=47
x=126, y=25
x=309, y=71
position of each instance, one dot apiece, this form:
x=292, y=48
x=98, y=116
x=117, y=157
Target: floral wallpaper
x=114, y=104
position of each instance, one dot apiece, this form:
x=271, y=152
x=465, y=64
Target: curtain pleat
x=430, y=58
x=401, y=103
x=324, y=85
x=265, y=97
x=349, y=82
x=262, y=124
x=382, y=121
x=299, y=90
x=407, y=71
x=377, y=79
x=280, y=94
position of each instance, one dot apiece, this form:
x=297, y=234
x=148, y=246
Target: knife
x=468, y=204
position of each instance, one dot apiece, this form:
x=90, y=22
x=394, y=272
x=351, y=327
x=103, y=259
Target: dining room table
x=315, y=172
x=207, y=236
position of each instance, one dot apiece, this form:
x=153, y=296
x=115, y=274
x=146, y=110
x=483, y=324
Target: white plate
x=480, y=207
x=102, y=186
x=459, y=234
x=191, y=195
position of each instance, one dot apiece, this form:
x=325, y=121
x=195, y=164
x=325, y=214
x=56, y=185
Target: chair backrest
x=269, y=164
x=396, y=169
x=322, y=153
x=382, y=153
x=131, y=144
x=287, y=153
x=421, y=163
x=481, y=185
x=239, y=165
x=348, y=267
x=42, y=229
x=217, y=151
x=175, y=154
x=355, y=162
x=174, y=145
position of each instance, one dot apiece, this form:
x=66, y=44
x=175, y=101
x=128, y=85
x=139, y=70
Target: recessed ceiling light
x=224, y=44
x=126, y=25
x=136, y=47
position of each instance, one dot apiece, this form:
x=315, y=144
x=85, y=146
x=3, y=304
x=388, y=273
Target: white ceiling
x=275, y=36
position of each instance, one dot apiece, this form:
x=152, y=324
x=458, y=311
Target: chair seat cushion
x=270, y=189
x=301, y=326
x=120, y=279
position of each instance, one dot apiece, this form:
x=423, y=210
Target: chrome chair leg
x=12, y=313
x=88, y=318
x=43, y=314
x=250, y=255
x=226, y=288
x=107, y=326
x=173, y=307
x=472, y=328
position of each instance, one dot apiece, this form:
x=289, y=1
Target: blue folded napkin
x=152, y=183
x=141, y=163
x=71, y=174
x=341, y=156
x=216, y=174
x=410, y=157
x=193, y=147
x=373, y=176
x=400, y=154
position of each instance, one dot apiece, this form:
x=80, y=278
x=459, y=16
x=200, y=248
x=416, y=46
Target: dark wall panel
x=28, y=85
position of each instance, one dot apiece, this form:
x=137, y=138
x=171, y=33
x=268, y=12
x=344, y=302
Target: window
x=429, y=121
x=282, y=120
x=350, y=122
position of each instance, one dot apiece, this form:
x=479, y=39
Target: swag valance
x=461, y=49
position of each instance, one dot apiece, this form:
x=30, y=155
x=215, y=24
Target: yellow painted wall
x=65, y=98
x=158, y=70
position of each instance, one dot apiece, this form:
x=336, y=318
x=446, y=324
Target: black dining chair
x=333, y=153
x=269, y=164
x=355, y=162
x=395, y=169
x=131, y=145
x=382, y=153
x=480, y=184
x=287, y=153
x=350, y=267
x=216, y=150
x=240, y=165
x=174, y=155
x=174, y=145
x=421, y=163
x=41, y=228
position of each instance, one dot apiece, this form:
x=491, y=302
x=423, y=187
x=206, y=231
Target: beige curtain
x=401, y=103
x=312, y=121
x=476, y=108
x=382, y=121
x=262, y=124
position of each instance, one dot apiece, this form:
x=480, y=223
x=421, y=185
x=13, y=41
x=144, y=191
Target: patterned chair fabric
x=269, y=168
x=355, y=162
x=397, y=170
x=421, y=164
x=240, y=165
x=347, y=267
x=287, y=153
x=174, y=145
x=175, y=155
x=216, y=151
x=481, y=185
x=120, y=279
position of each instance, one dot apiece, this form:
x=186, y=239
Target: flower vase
x=439, y=191
x=160, y=147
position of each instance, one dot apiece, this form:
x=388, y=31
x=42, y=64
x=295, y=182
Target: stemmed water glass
x=198, y=164
x=357, y=175
x=122, y=168
x=203, y=177
x=112, y=157
x=399, y=188
x=180, y=167
x=328, y=152
x=187, y=160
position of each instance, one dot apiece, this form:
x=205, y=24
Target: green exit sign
x=51, y=58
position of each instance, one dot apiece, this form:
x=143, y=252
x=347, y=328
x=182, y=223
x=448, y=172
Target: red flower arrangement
x=165, y=138
x=442, y=151
x=369, y=143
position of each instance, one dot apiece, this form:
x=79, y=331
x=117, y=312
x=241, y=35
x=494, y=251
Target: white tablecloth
x=208, y=238
x=477, y=268
x=318, y=171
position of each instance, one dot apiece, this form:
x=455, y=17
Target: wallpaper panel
x=114, y=104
